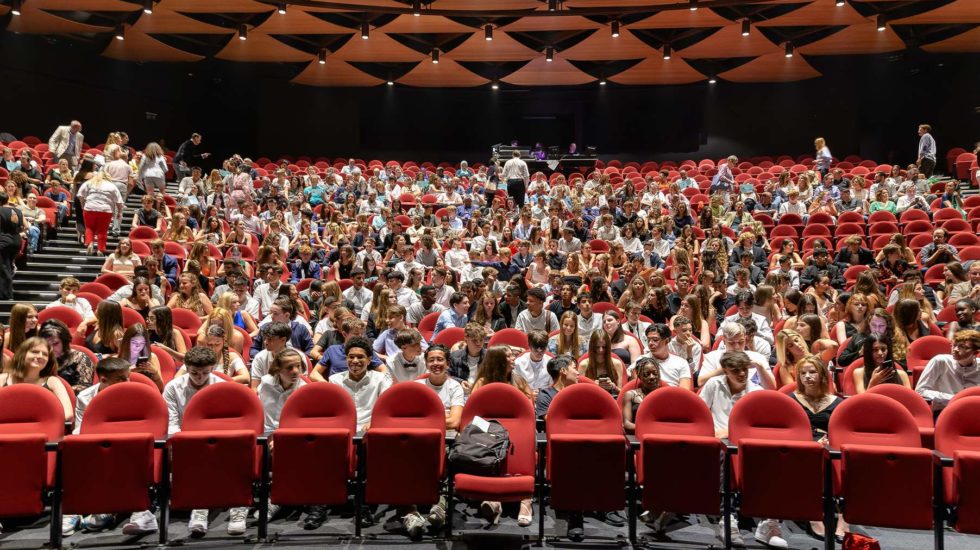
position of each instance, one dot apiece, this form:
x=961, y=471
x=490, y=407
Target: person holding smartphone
x=135, y=348
x=879, y=366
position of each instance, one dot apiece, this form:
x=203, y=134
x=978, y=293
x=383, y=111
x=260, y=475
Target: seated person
x=966, y=313
x=946, y=375
x=384, y=344
x=735, y=340
x=465, y=360
x=363, y=384
x=407, y=363
x=671, y=369
x=334, y=358
x=685, y=345
x=533, y=365
x=274, y=388
x=880, y=366
x=563, y=373
x=34, y=362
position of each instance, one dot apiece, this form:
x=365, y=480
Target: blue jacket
x=300, y=339
x=309, y=271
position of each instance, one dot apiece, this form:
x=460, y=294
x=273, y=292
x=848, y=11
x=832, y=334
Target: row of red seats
x=874, y=458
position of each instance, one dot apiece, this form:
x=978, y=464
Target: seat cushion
x=503, y=489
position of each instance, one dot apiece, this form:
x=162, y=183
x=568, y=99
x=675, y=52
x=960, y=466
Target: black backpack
x=481, y=453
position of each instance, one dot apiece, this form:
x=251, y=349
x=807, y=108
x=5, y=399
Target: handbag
x=855, y=541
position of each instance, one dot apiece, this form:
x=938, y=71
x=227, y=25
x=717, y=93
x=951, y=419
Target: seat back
x=223, y=406
x=912, y=401
x=507, y=405
x=585, y=427
x=768, y=415
x=126, y=408
x=31, y=409
x=30, y=416
x=509, y=337
x=319, y=406
x=673, y=411
x=66, y=315
x=958, y=436
x=450, y=336
x=872, y=419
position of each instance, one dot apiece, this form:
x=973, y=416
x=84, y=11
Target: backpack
x=481, y=453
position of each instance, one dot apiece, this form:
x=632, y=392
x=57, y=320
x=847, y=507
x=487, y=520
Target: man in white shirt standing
x=947, y=375
x=516, y=175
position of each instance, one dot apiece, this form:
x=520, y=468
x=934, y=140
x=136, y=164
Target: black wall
x=868, y=105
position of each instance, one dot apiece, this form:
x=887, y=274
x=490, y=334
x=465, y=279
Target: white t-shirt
x=720, y=400
x=673, y=369
x=712, y=362
x=402, y=370
x=450, y=392
x=546, y=321
x=536, y=373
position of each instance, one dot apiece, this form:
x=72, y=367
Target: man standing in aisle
x=188, y=155
x=926, y=161
x=66, y=143
x=516, y=175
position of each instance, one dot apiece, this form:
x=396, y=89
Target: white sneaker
x=737, y=539
x=415, y=525
x=770, y=533
x=70, y=524
x=198, y=525
x=98, y=522
x=273, y=510
x=236, y=521
x=140, y=523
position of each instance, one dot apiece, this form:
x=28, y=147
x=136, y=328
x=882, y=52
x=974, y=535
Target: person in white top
x=358, y=294
x=533, y=365
x=283, y=379
x=407, y=363
x=744, y=302
x=685, y=345
x=153, y=169
x=363, y=385
x=760, y=374
x=947, y=375
x=674, y=371
x=68, y=290
x=535, y=317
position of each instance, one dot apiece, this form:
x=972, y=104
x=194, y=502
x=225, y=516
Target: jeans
x=33, y=236
x=117, y=220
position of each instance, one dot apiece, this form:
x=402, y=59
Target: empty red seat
x=30, y=417
x=956, y=431
x=509, y=337
x=915, y=404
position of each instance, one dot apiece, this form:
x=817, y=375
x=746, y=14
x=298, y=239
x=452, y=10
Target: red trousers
x=97, y=225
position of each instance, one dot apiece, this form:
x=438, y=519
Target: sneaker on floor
x=436, y=518
x=315, y=516
x=615, y=519
x=737, y=539
x=490, y=511
x=198, y=525
x=576, y=527
x=236, y=521
x=273, y=510
x=770, y=533
x=69, y=524
x=415, y=525
x=98, y=522
x=140, y=523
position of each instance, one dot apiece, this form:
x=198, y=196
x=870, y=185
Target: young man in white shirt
x=358, y=295
x=199, y=362
x=947, y=375
x=744, y=302
x=275, y=338
x=588, y=321
x=535, y=317
x=110, y=371
x=533, y=365
x=363, y=385
x=674, y=371
x=407, y=363
x=734, y=334
x=685, y=345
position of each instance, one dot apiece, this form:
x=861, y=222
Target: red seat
x=449, y=337
x=915, y=404
x=883, y=228
x=851, y=217
x=848, y=229
x=316, y=426
x=509, y=337
x=407, y=434
x=111, y=466
x=776, y=450
x=215, y=458
x=881, y=461
x=676, y=434
x=821, y=218
x=814, y=229
x=168, y=367
x=944, y=214
x=186, y=321
x=507, y=405
x=882, y=216
x=956, y=438
x=66, y=315
x=132, y=317
x=963, y=239
x=96, y=288
x=585, y=426
x=847, y=385
x=143, y=233
x=113, y=281
x=427, y=324
x=956, y=225
x=600, y=308
x=913, y=214
x=30, y=417
x=851, y=273
x=790, y=219
x=787, y=231
x=970, y=253
x=917, y=227
x=599, y=246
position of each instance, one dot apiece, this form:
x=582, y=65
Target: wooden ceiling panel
x=85, y=5
x=138, y=46
x=773, y=67
x=501, y=48
x=261, y=48
x=380, y=47
x=968, y=42
x=656, y=70
x=299, y=22
x=33, y=20
x=601, y=45
x=543, y=73
x=550, y=23
x=216, y=6
x=729, y=42
x=856, y=39
x=445, y=74
x=960, y=11
x=428, y=24
x=682, y=19
x=166, y=21
x=335, y=73
x=819, y=13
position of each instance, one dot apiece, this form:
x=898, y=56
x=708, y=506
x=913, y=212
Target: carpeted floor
x=472, y=533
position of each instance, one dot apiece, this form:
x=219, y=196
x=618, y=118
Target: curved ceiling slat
x=773, y=67
x=335, y=73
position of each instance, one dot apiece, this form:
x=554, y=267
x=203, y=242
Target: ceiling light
x=712, y=80
x=488, y=32
x=242, y=32
x=549, y=54
x=840, y=3
x=417, y=8
x=746, y=24
x=322, y=56
x=694, y=5
x=435, y=55
x=120, y=32
x=789, y=49
x=615, y=29
x=148, y=7
x=881, y=22
x=495, y=85
x=602, y=82
x=552, y=5
x=666, y=51
x=15, y=6
x=282, y=8
x=365, y=30
x=391, y=83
